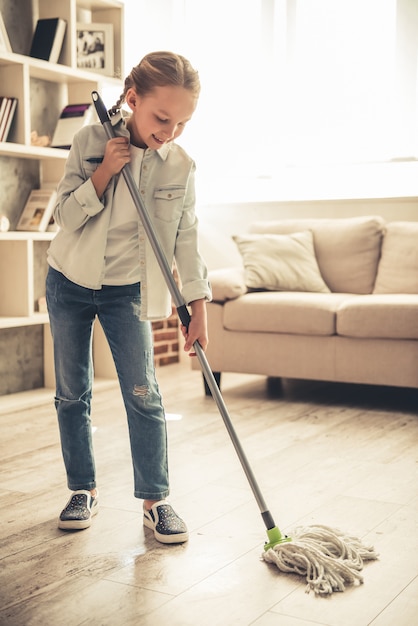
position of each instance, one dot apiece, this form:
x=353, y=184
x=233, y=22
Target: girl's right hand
x=115, y=157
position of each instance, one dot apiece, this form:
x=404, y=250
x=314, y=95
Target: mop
x=326, y=557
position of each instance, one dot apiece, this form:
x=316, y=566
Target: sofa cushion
x=280, y=262
x=347, y=249
x=300, y=313
x=398, y=267
x=385, y=316
x=227, y=283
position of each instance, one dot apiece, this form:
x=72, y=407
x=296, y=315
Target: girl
x=101, y=264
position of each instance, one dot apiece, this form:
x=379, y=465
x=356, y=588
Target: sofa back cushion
x=280, y=262
x=347, y=249
x=398, y=267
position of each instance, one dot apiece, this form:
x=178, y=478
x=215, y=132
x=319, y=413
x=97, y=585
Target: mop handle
x=183, y=313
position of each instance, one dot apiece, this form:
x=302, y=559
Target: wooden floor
x=340, y=455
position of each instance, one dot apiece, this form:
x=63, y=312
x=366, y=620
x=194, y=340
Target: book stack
x=7, y=112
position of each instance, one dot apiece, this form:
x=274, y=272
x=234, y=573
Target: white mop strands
x=328, y=558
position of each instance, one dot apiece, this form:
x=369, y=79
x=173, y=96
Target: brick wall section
x=166, y=340
x=167, y=334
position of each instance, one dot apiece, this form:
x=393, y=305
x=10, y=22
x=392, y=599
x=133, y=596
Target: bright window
x=341, y=81
x=290, y=82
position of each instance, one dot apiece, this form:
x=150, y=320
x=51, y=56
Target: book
x=6, y=119
x=38, y=210
x=72, y=118
x=5, y=106
x=48, y=39
x=3, y=103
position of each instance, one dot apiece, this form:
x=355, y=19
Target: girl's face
x=160, y=116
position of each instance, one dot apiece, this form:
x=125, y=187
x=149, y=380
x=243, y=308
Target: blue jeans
x=72, y=311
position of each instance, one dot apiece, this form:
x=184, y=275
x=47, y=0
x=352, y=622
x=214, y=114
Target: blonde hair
x=160, y=69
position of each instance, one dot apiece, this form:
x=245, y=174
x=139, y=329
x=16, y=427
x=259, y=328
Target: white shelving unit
x=39, y=85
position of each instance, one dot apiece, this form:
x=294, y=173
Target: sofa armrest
x=227, y=283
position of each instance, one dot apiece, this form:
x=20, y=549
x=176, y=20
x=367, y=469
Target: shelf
x=21, y=151
x=95, y=5
x=24, y=256
x=54, y=72
x=26, y=235
x=21, y=77
x=42, y=89
x=16, y=322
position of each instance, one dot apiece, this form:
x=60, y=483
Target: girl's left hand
x=197, y=330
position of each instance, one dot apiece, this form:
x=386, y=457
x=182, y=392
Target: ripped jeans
x=72, y=311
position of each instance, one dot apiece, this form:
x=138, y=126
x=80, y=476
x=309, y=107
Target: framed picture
x=95, y=48
x=38, y=210
x=4, y=38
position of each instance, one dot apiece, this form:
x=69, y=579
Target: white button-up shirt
x=167, y=188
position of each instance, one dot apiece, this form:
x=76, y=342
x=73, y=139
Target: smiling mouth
x=159, y=141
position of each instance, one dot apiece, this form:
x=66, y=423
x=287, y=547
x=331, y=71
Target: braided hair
x=160, y=69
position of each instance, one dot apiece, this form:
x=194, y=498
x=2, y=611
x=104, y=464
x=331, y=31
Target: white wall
x=219, y=221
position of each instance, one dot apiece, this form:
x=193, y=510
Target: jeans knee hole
x=140, y=390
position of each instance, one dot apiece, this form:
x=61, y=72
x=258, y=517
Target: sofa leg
x=274, y=386
x=217, y=377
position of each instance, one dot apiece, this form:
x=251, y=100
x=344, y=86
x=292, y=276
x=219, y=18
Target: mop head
x=328, y=558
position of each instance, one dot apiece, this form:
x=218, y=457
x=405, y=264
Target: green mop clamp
x=274, y=535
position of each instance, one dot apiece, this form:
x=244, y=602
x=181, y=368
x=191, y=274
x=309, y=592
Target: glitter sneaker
x=78, y=511
x=168, y=527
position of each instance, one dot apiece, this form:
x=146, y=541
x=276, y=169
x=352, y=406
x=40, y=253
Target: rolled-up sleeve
x=77, y=200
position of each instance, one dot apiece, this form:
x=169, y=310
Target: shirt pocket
x=90, y=164
x=169, y=202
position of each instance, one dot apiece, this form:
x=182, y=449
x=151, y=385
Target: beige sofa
x=322, y=299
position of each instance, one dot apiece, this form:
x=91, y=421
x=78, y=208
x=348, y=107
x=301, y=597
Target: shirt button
x=170, y=195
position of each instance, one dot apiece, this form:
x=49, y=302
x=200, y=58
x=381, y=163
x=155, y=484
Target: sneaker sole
x=77, y=524
x=177, y=538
